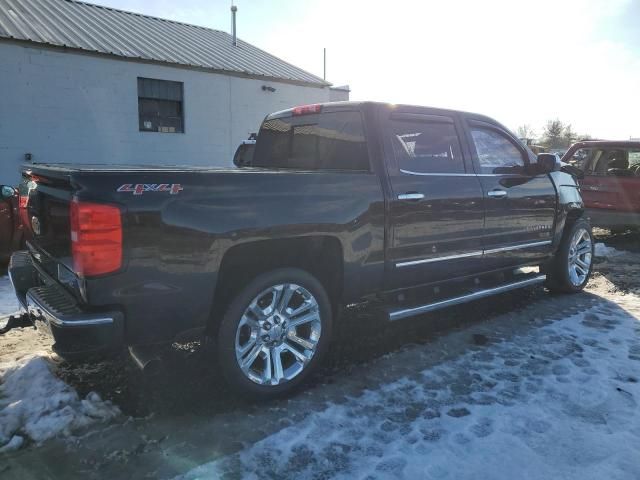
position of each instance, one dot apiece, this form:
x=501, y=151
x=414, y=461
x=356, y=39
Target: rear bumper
x=613, y=218
x=77, y=332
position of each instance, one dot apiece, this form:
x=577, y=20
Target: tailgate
x=45, y=198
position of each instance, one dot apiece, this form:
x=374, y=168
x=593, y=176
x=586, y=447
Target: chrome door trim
x=518, y=247
x=421, y=174
x=409, y=312
x=438, y=259
x=473, y=254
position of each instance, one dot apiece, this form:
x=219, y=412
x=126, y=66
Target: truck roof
x=350, y=105
x=609, y=143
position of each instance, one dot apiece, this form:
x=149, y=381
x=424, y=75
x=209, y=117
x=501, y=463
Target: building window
x=160, y=106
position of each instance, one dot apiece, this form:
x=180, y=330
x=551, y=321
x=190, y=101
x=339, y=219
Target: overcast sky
x=519, y=62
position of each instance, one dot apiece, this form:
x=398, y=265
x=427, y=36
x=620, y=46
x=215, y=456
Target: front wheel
x=571, y=267
x=274, y=332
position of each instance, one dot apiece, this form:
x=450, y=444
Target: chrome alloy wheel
x=580, y=253
x=278, y=334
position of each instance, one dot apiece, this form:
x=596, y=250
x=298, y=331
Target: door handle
x=497, y=193
x=411, y=196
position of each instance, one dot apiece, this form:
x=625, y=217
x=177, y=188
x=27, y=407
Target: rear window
x=324, y=141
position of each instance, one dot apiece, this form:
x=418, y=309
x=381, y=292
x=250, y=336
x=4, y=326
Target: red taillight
x=96, y=238
x=23, y=202
x=307, y=109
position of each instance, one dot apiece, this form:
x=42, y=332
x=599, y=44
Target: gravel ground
x=186, y=418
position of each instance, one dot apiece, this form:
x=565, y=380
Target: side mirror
x=8, y=192
x=244, y=155
x=548, y=162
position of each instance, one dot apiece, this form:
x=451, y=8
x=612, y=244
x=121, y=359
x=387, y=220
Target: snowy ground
x=530, y=386
x=35, y=405
x=604, y=251
x=8, y=302
x=560, y=401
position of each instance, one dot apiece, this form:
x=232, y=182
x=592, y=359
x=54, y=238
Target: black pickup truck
x=408, y=208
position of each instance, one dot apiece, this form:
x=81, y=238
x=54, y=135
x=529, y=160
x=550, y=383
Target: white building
x=83, y=83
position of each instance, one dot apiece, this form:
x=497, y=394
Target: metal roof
x=94, y=28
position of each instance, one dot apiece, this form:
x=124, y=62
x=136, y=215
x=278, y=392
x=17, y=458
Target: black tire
x=558, y=277
x=226, y=339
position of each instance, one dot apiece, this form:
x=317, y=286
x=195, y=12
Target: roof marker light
x=307, y=109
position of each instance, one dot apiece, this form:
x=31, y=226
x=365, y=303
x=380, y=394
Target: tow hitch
x=17, y=321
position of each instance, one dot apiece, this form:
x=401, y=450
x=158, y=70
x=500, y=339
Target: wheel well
x=321, y=256
x=573, y=215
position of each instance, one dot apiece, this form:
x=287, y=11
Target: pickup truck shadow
x=621, y=266
x=628, y=240
x=189, y=382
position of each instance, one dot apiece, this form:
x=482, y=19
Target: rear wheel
x=571, y=267
x=274, y=332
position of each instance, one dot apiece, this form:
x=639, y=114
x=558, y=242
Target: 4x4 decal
x=140, y=188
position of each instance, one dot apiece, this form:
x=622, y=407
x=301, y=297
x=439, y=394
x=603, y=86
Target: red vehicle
x=10, y=224
x=609, y=176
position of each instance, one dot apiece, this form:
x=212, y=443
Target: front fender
x=570, y=203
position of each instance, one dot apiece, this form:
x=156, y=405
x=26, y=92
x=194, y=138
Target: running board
x=429, y=307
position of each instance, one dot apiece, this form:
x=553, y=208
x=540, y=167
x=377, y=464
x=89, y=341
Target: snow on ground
x=602, y=250
x=557, y=402
x=36, y=405
x=8, y=302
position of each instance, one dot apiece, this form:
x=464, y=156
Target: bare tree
x=570, y=136
x=553, y=135
x=526, y=131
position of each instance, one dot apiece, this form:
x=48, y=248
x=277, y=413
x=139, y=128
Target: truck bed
x=64, y=168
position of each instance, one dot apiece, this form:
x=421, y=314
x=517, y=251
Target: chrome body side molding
x=473, y=254
x=439, y=259
x=518, y=247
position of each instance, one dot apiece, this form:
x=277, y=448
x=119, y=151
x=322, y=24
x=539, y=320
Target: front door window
x=496, y=153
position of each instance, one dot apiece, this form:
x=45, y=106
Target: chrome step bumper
x=77, y=330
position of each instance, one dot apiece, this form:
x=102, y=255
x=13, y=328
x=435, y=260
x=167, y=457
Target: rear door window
x=497, y=154
x=634, y=162
x=615, y=162
x=426, y=147
x=324, y=141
